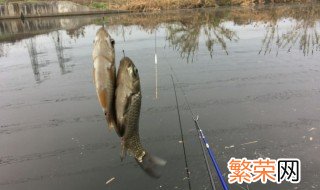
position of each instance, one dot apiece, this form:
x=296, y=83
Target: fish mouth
x=103, y=36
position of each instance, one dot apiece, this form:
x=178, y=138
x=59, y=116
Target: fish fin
x=110, y=120
x=119, y=129
x=111, y=125
x=123, y=151
x=150, y=164
x=102, y=96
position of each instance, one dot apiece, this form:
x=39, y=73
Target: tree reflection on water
x=186, y=29
x=303, y=32
x=184, y=36
x=183, y=29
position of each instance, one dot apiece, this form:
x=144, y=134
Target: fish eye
x=135, y=70
x=112, y=42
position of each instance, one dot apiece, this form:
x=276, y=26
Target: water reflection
x=76, y=33
x=15, y=30
x=186, y=31
x=57, y=39
x=33, y=54
x=241, y=80
x=303, y=33
x=184, y=36
x=183, y=30
x=3, y=50
x=37, y=62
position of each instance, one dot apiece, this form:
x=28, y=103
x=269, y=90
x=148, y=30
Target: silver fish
x=104, y=74
x=128, y=104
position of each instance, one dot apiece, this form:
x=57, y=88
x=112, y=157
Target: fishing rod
x=202, y=147
x=182, y=139
x=203, y=153
x=215, y=163
x=206, y=162
x=210, y=152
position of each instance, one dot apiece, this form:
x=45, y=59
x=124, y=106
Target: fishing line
x=201, y=143
x=207, y=163
x=181, y=132
x=156, y=63
x=155, y=48
x=124, y=41
x=200, y=136
x=215, y=163
x=210, y=152
x=204, y=155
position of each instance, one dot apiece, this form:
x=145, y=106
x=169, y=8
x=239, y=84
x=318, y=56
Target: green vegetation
x=98, y=5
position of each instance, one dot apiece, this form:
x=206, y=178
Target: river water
x=251, y=74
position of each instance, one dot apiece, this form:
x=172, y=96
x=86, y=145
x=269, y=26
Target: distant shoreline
x=119, y=6
x=67, y=14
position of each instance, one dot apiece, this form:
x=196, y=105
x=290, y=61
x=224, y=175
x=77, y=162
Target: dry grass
x=139, y=5
x=147, y=5
x=156, y=5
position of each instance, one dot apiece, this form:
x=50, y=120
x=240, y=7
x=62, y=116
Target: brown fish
x=128, y=104
x=104, y=74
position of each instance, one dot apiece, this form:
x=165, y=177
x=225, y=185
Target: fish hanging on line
x=104, y=74
x=120, y=99
x=128, y=105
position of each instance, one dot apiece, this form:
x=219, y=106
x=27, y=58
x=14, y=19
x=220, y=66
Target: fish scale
x=128, y=105
x=131, y=137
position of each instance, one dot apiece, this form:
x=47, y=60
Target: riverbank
x=40, y=8
x=147, y=5
x=34, y=9
x=130, y=5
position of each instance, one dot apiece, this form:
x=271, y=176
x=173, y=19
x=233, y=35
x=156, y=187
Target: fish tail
x=150, y=164
x=123, y=150
x=111, y=124
x=110, y=120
